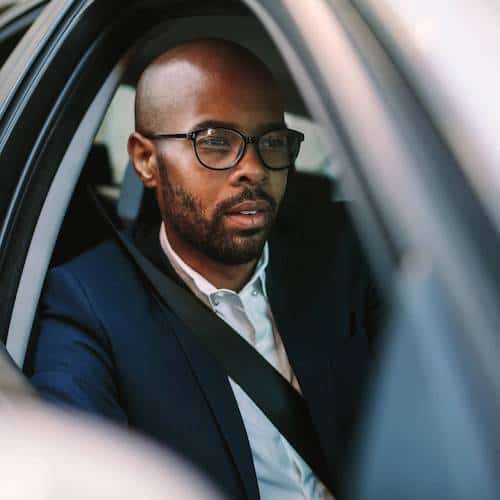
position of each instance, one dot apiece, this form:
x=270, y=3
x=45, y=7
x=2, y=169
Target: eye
x=274, y=142
x=215, y=142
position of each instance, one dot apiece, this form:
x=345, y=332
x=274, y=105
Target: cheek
x=186, y=175
x=205, y=188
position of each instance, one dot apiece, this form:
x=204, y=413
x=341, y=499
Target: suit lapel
x=211, y=378
x=308, y=321
x=220, y=397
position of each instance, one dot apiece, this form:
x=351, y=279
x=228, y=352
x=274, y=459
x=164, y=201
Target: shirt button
x=255, y=292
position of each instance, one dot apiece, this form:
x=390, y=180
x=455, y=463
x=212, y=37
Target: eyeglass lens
x=221, y=148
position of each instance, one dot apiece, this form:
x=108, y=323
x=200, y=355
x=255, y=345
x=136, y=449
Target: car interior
x=96, y=158
x=316, y=182
x=108, y=171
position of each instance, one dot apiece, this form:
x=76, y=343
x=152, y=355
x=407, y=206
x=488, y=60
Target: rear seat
x=82, y=228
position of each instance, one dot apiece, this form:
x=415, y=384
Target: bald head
x=206, y=86
x=217, y=68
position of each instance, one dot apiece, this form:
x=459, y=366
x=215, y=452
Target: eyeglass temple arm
x=189, y=135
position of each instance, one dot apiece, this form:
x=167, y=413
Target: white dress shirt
x=281, y=472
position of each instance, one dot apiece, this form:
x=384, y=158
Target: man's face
x=212, y=211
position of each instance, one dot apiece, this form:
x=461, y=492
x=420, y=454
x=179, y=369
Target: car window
x=117, y=125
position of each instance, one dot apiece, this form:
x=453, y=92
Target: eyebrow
x=217, y=123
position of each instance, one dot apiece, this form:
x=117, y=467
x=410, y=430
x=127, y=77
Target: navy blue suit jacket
x=108, y=346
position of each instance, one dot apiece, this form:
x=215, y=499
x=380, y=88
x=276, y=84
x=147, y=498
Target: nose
x=250, y=169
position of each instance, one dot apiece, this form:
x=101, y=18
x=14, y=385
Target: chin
x=240, y=250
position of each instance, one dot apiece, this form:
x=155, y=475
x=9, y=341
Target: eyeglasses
x=222, y=148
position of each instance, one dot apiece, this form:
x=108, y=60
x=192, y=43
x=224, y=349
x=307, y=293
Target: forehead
x=190, y=94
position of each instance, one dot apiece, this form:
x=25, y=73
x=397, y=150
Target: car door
x=427, y=232
x=14, y=22
x=15, y=19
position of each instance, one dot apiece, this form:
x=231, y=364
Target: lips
x=249, y=214
x=250, y=206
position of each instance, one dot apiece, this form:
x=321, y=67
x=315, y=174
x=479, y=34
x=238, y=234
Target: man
x=212, y=143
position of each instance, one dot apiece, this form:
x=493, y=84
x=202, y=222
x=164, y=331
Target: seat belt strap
x=267, y=388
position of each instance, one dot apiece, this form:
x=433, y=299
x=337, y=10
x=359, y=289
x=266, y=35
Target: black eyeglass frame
x=247, y=139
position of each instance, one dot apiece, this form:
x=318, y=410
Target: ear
x=141, y=152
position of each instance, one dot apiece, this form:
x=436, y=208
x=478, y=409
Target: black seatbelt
x=267, y=388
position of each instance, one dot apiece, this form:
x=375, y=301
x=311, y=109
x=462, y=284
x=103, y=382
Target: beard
x=185, y=214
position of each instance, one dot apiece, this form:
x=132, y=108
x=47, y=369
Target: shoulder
x=105, y=265
x=105, y=257
x=95, y=279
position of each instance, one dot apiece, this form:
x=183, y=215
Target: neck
x=228, y=276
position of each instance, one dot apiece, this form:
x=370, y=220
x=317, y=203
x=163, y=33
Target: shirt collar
x=198, y=284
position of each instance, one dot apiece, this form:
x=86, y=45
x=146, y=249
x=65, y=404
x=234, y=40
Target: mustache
x=247, y=194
